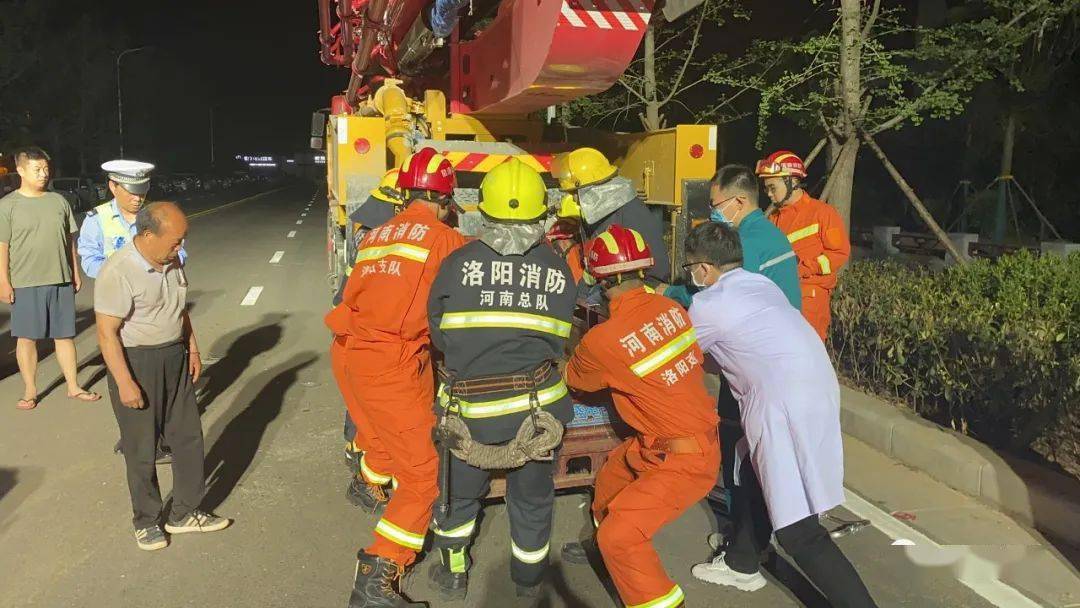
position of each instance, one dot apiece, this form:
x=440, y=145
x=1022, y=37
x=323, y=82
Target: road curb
x=1040, y=498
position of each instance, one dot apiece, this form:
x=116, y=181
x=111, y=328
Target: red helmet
x=427, y=170
x=564, y=230
x=781, y=164
x=617, y=250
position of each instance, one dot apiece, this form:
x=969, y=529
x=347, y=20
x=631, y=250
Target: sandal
x=87, y=396
x=26, y=404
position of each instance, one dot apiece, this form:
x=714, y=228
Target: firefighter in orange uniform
x=382, y=323
x=646, y=353
x=814, y=229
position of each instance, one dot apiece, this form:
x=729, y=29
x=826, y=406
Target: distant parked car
x=9, y=182
x=81, y=193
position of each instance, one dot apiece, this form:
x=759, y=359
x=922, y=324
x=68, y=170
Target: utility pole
x=120, y=95
x=211, y=137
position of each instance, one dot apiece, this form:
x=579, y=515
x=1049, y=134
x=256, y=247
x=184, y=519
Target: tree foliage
x=908, y=72
x=673, y=63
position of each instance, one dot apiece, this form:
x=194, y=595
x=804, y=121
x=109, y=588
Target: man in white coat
x=789, y=402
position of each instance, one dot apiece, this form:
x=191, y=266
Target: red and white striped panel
x=630, y=15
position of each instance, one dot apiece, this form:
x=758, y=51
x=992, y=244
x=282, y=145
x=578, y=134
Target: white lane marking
x=973, y=571
x=304, y=214
x=292, y=234
x=298, y=222
x=277, y=257
x=252, y=296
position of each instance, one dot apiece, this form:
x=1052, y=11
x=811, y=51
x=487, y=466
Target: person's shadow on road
x=240, y=348
x=259, y=403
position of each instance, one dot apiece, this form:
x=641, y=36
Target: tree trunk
x=1004, y=177
x=842, y=179
x=651, y=120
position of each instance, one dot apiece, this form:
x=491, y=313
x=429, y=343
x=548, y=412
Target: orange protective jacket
x=385, y=299
x=648, y=355
x=817, y=234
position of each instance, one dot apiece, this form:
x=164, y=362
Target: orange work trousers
x=337, y=365
x=638, y=491
x=392, y=398
x=815, y=309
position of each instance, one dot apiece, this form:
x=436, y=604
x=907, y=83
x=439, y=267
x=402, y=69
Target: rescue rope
x=536, y=439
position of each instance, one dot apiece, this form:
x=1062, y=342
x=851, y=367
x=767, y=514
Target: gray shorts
x=45, y=311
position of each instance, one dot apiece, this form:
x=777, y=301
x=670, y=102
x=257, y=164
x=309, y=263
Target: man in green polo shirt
x=734, y=201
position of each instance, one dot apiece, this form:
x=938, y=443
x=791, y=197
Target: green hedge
x=991, y=348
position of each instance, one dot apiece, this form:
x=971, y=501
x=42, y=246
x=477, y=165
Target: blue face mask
x=716, y=216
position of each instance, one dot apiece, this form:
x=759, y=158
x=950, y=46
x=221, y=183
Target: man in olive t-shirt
x=39, y=274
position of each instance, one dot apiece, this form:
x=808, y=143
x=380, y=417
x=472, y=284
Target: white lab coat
x=786, y=387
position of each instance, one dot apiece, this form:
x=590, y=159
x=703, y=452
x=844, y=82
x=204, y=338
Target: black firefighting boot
x=374, y=586
x=368, y=496
x=451, y=574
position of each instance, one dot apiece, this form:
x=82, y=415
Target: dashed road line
x=252, y=296
x=298, y=222
x=292, y=234
x=277, y=257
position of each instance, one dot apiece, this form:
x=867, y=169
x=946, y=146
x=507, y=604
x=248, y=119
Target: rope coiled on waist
x=536, y=439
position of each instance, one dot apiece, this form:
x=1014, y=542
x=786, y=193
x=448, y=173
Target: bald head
x=161, y=228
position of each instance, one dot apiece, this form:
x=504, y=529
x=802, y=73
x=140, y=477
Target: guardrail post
x=883, y=240
x=961, y=240
x=1062, y=248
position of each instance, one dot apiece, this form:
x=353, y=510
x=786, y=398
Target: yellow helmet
x=569, y=207
x=387, y=190
x=513, y=192
x=582, y=167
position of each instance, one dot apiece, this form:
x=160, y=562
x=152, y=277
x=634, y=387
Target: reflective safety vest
x=114, y=234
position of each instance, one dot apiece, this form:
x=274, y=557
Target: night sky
x=256, y=63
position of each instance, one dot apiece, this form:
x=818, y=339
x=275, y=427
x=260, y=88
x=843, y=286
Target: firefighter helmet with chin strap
x=580, y=168
x=617, y=250
x=427, y=175
x=387, y=191
x=783, y=164
x=513, y=193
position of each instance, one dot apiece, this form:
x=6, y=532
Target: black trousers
x=170, y=412
x=806, y=541
x=530, y=500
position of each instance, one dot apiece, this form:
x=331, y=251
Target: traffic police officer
x=500, y=311
x=111, y=225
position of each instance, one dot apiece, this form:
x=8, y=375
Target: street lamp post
x=120, y=94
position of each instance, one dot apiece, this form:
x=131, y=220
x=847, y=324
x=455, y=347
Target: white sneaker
x=718, y=573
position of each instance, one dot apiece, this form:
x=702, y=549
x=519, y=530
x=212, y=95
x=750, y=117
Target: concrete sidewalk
x=979, y=544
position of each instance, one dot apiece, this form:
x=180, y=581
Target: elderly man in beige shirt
x=150, y=349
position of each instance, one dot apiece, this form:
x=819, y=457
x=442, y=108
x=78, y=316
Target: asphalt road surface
x=258, y=284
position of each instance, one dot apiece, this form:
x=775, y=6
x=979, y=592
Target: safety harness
x=536, y=439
